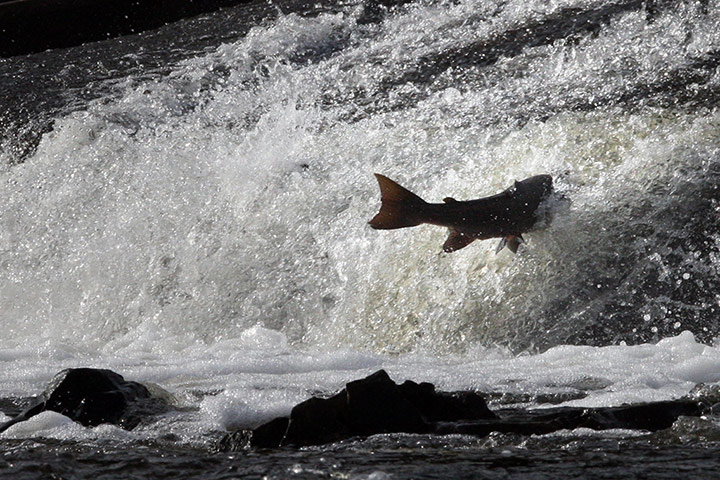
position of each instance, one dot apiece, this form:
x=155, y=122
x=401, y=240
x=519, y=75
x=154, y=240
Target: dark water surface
x=376, y=458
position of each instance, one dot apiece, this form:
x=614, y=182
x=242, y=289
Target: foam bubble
x=260, y=338
x=248, y=408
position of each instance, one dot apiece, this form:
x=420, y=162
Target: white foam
x=589, y=433
x=180, y=215
x=49, y=424
x=251, y=387
x=259, y=338
x=248, y=408
x=45, y=423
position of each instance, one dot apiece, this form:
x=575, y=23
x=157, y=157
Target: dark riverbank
x=30, y=26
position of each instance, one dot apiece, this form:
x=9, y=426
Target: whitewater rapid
x=205, y=227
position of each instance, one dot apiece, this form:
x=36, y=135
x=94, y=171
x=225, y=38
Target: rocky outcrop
x=369, y=406
x=364, y=407
x=94, y=396
x=376, y=404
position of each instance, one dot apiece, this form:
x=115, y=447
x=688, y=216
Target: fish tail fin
x=400, y=207
x=512, y=242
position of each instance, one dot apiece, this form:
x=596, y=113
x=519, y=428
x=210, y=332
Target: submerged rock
x=376, y=404
x=93, y=396
x=651, y=416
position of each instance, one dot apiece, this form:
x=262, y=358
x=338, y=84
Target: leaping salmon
x=506, y=215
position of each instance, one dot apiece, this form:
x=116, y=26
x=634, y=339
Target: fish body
x=506, y=215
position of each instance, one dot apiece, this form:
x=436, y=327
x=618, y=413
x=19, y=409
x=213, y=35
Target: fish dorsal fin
x=456, y=240
x=449, y=200
x=515, y=189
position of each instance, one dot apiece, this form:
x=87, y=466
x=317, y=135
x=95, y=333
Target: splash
x=233, y=191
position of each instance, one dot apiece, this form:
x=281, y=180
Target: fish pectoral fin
x=512, y=242
x=501, y=245
x=449, y=200
x=456, y=240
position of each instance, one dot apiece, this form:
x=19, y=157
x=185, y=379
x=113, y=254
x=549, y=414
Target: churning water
x=189, y=207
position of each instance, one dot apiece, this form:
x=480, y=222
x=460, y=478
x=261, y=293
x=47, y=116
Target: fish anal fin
x=512, y=242
x=456, y=240
x=449, y=200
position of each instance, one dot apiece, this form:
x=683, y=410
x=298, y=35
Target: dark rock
x=365, y=407
x=644, y=416
x=523, y=422
x=269, y=434
x=94, y=396
x=316, y=421
x=376, y=404
x=651, y=416
x=235, y=441
x=445, y=406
